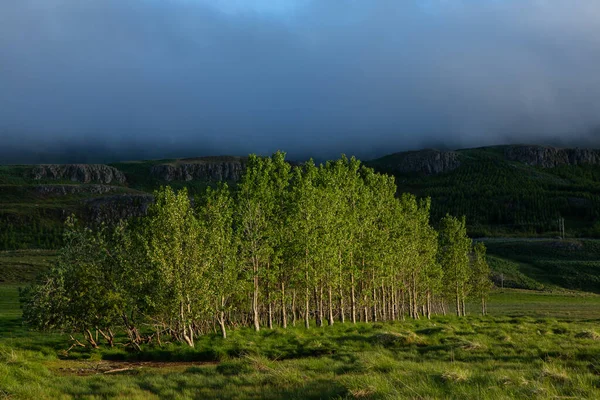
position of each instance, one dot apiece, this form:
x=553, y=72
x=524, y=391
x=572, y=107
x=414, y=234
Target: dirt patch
x=84, y=368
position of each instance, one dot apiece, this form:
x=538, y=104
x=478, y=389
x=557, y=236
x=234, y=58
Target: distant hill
x=36, y=199
x=503, y=190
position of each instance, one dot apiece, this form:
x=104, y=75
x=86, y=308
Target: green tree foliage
x=319, y=243
x=173, y=236
x=80, y=293
x=453, y=255
x=255, y=200
x=481, y=283
x=220, y=246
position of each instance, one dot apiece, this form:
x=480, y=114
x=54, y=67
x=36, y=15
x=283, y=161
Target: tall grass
x=447, y=357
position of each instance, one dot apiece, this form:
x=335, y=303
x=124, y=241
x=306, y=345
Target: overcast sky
x=166, y=78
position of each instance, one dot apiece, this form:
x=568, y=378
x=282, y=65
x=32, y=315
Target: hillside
x=503, y=190
x=36, y=199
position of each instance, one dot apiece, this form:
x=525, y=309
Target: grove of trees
x=312, y=245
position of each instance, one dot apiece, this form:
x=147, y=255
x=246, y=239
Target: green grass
x=534, y=345
x=24, y=265
x=508, y=274
x=547, y=264
x=559, y=304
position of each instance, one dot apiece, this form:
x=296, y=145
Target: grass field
x=534, y=345
x=546, y=263
x=23, y=265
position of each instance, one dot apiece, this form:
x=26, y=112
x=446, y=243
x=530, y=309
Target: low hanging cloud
x=110, y=79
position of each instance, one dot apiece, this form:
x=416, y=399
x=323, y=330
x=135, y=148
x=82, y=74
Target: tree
x=220, y=248
x=331, y=235
x=303, y=223
x=277, y=272
x=254, y=202
x=78, y=293
x=173, y=247
x=453, y=256
x=426, y=240
x=350, y=188
x=480, y=276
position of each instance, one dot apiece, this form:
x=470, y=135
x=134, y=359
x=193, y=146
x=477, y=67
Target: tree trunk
x=90, y=339
x=108, y=336
x=191, y=335
x=403, y=305
x=330, y=305
x=316, y=300
x=307, y=314
x=411, y=308
x=383, y=303
x=341, y=291
x=457, y=301
x=342, y=309
x=414, y=288
x=283, y=311
x=374, y=297
x=294, y=311
x=189, y=339
x=256, y=317
x=270, y=312
x=307, y=308
x=428, y=304
x=222, y=324
x=321, y=318
x=352, y=299
x=394, y=309
x=222, y=318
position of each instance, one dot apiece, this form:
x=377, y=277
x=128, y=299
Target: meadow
x=540, y=340
x=532, y=345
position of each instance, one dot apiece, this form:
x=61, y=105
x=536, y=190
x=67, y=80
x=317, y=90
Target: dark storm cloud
x=150, y=78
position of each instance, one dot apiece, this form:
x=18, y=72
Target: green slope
x=546, y=264
x=32, y=217
x=501, y=197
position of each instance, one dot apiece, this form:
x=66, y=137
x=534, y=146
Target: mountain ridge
x=502, y=190
x=433, y=161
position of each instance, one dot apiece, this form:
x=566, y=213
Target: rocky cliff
x=111, y=209
x=549, y=157
x=83, y=173
x=206, y=168
x=65, y=190
x=428, y=162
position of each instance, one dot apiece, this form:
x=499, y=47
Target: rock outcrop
x=550, y=157
x=428, y=162
x=64, y=190
x=111, y=209
x=82, y=173
x=206, y=168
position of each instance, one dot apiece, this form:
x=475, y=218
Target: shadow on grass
x=185, y=386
